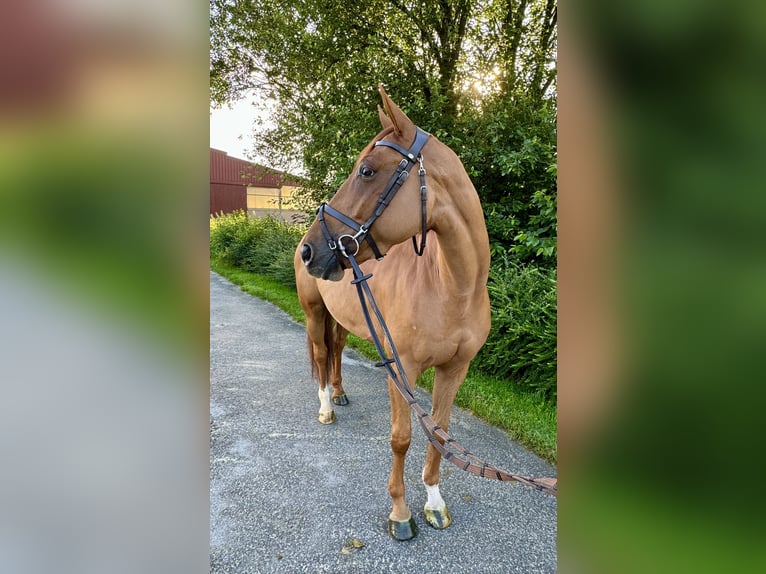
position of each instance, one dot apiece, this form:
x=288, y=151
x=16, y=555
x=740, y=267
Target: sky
x=231, y=128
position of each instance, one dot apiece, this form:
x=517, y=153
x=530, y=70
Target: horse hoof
x=402, y=530
x=341, y=400
x=439, y=518
x=327, y=418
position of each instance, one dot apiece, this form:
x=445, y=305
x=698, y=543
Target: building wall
x=287, y=194
x=270, y=197
x=288, y=215
x=225, y=197
x=239, y=184
x=276, y=202
x=262, y=197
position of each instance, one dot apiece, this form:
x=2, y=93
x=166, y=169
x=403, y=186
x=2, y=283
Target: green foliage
x=540, y=239
x=224, y=230
x=263, y=245
x=510, y=153
x=473, y=72
x=522, y=342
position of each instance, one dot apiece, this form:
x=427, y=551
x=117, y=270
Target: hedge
x=521, y=346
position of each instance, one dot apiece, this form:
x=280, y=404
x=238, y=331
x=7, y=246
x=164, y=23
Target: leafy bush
x=263, y=245
x=539, y=242
x=225, y=235
x=509, y=150
x=281, y=267
x=522, y=342
x=521, y=346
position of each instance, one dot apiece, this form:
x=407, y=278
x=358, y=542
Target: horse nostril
x=306, y=253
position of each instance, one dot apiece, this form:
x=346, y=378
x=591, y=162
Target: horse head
x=380, y=190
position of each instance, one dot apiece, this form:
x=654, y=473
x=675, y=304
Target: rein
x=449, y=448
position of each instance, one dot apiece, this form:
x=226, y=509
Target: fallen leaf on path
x=352, y=544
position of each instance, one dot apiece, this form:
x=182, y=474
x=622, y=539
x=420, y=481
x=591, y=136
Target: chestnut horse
x=436, y=306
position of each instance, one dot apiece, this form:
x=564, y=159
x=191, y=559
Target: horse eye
x=366, y=171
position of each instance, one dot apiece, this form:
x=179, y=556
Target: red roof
x=232, y=170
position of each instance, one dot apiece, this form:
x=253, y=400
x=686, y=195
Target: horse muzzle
x=321, y=262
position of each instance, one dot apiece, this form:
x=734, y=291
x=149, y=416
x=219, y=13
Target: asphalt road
x=288, y=494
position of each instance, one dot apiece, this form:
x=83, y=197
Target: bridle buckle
x=361, y=233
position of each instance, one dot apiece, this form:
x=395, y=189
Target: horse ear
x=385, y=121
x=402, y=125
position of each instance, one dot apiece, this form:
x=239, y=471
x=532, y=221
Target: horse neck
x=458, y=222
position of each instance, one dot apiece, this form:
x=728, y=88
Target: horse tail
x=312, y=362
x=329, y=342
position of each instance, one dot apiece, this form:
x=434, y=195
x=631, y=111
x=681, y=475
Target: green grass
x=527, y=417
x=264, y=288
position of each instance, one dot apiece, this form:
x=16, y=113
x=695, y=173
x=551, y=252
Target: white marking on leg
x=435, y=510
x=325, y=404
x=435, y=500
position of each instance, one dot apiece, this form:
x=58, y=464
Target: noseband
x=362, y=231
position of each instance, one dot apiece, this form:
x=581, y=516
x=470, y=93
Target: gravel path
x=290, y=495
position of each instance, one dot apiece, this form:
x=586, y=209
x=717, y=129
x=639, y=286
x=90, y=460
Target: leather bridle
x=344, y=242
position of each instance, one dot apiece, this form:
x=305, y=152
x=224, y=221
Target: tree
x=478, y=74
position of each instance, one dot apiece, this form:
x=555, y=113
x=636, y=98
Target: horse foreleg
x=401, y=526
x=447, y=381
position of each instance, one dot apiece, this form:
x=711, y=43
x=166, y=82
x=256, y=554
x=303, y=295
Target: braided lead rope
x=437, y=436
